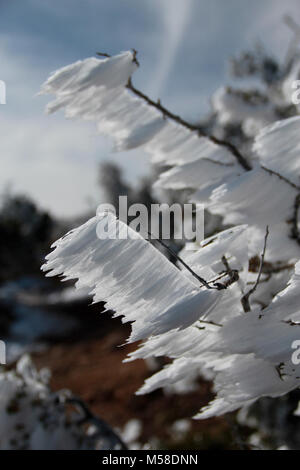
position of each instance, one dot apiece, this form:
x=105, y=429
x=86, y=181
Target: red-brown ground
x=90, y=364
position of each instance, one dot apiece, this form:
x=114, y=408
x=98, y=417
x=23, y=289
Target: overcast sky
x=183, y=47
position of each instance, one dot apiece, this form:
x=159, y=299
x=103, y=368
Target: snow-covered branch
x=250, y=186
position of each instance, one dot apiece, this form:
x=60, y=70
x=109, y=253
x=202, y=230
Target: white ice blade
x=132, y=276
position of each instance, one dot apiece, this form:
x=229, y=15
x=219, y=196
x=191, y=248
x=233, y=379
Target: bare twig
x=295, y=230
x=241, y=159
x=281, y=177
x=103, y=54
x=245, y=298
x=232, y=273
x=210, y=323
x=233, y=276
x=220, y=276
x=278, y=369
x=290, y=322
x=134, y=59
x=194, y=128
x=223, y=143
x=173, y=253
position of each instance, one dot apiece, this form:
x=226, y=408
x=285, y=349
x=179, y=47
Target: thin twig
x=210, y=323
x=241, y=159
x=103, y=54
x=173, y=253
x=281, y=177
x=194, y=128
x=232, y=273
x=295, y=230
x=245, y=298
x=220, y=276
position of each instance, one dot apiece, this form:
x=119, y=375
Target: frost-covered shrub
x=235, y=318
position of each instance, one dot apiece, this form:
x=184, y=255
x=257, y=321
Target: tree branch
x=174, y=117
x=173, y=253
x=295, y=229
x=232, y=273
x=281, y=177
x=245, y=299
x=193, y=128
x=241, y=159
x=210, y=323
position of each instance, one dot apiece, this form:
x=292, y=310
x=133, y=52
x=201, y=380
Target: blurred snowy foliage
x=33, y=417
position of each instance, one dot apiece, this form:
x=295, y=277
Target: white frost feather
x=133, y=277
